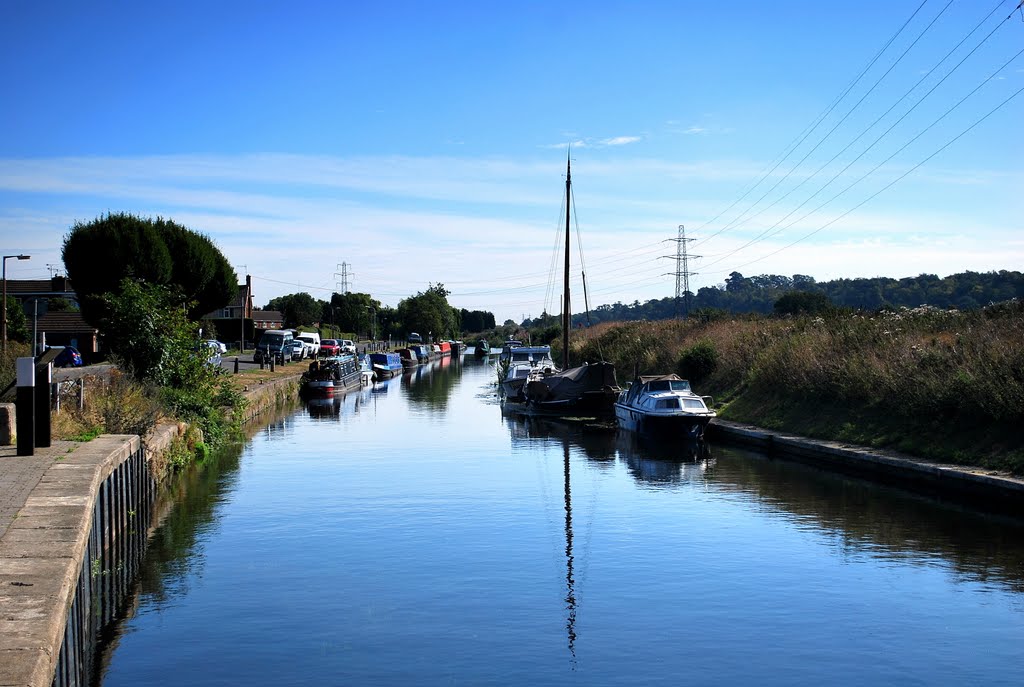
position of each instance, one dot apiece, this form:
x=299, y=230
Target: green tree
x=99, y=255
x=803, y=303
x=153, y=340
x=149, y=333
x=352, y=312
x=474, y=321
x=429, y=313
x=17, y=323
x=298, y=309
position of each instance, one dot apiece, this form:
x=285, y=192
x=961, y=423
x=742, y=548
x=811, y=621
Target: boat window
x=520, y=357
x=694, y=404
x=662, y=385
x=680, y=385
x=666, y=403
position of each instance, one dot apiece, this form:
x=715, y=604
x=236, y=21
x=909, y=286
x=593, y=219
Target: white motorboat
x=663, y=404
x=515, y=364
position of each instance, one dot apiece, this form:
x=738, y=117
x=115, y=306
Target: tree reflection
x=432, y=384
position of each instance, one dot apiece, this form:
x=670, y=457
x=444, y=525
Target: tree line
x=427, y=313
x=759, y=294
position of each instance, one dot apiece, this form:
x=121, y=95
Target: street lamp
x=4, y=309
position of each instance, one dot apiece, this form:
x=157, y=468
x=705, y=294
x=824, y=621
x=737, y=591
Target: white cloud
x=486, y=227
x=620, y=140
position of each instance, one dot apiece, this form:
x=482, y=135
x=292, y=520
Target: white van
x=312, y=341
x=272, y=345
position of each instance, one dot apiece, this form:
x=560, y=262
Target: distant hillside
x=739, y=294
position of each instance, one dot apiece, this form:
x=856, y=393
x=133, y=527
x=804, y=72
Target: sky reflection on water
x=413, y=534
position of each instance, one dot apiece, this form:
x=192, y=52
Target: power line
x=807, y=132
x=897, y=179
x=768, y=233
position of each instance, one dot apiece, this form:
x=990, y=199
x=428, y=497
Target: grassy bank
x=942, y=385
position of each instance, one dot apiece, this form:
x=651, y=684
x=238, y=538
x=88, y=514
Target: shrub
x=698, y=362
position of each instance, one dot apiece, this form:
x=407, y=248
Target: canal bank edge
x=46, y=518
x=993, y=491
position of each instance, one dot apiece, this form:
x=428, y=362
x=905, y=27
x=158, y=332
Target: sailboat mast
x=566, y=311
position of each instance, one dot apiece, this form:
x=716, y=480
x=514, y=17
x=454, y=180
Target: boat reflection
x=664, y=461
x=868, y=518
x=324, y=408
x=596, y=439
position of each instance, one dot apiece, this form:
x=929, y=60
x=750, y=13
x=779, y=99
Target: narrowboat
x=386, y=365
x=331, y=376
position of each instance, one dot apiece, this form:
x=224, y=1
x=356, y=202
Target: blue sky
x=425, y=142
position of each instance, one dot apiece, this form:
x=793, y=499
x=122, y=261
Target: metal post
x=24, y=404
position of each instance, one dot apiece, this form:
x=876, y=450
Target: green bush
x=698, y=362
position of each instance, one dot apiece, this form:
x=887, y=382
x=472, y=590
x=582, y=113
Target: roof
x=268, y=315
x=70, y=322
x=32, y=287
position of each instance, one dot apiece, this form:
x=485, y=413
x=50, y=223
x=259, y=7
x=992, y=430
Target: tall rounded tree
x=98, y=255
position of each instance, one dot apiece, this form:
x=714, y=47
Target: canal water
x=409, y=534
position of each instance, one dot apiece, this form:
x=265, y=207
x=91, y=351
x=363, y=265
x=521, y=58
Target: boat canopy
x=572, y=384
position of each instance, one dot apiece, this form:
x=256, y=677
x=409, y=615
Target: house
x=66, y=328
x=267, y=319
x=235, y=320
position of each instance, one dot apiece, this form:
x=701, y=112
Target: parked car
x=220, y=346
x=297, y=349
x=415, y=338
x=272, y=346
x=329, y=347
x=69, y=357
x=313, y=340
x=348, y=346
x=211, y=351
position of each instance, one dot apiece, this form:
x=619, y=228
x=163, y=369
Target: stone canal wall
x=69, y=556
x=990, y=490
x=78, y=517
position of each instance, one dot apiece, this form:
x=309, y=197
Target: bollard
x=24, y=406
x=236, y=365
x=81, y=394
x=271, y=363
x=44, y=377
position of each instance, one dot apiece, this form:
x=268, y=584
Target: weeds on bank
x=940, y=384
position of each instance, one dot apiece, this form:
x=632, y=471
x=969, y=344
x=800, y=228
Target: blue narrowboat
x=386, y=365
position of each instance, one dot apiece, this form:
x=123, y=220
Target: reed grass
x=940, y=384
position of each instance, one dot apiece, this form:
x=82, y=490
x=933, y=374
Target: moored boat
x=663, y=404
x=365, y=370
x=330, y=376
x=386, y=365
x=589, y=389
x=482, y=349
x=409, y=358
x=516, y=364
